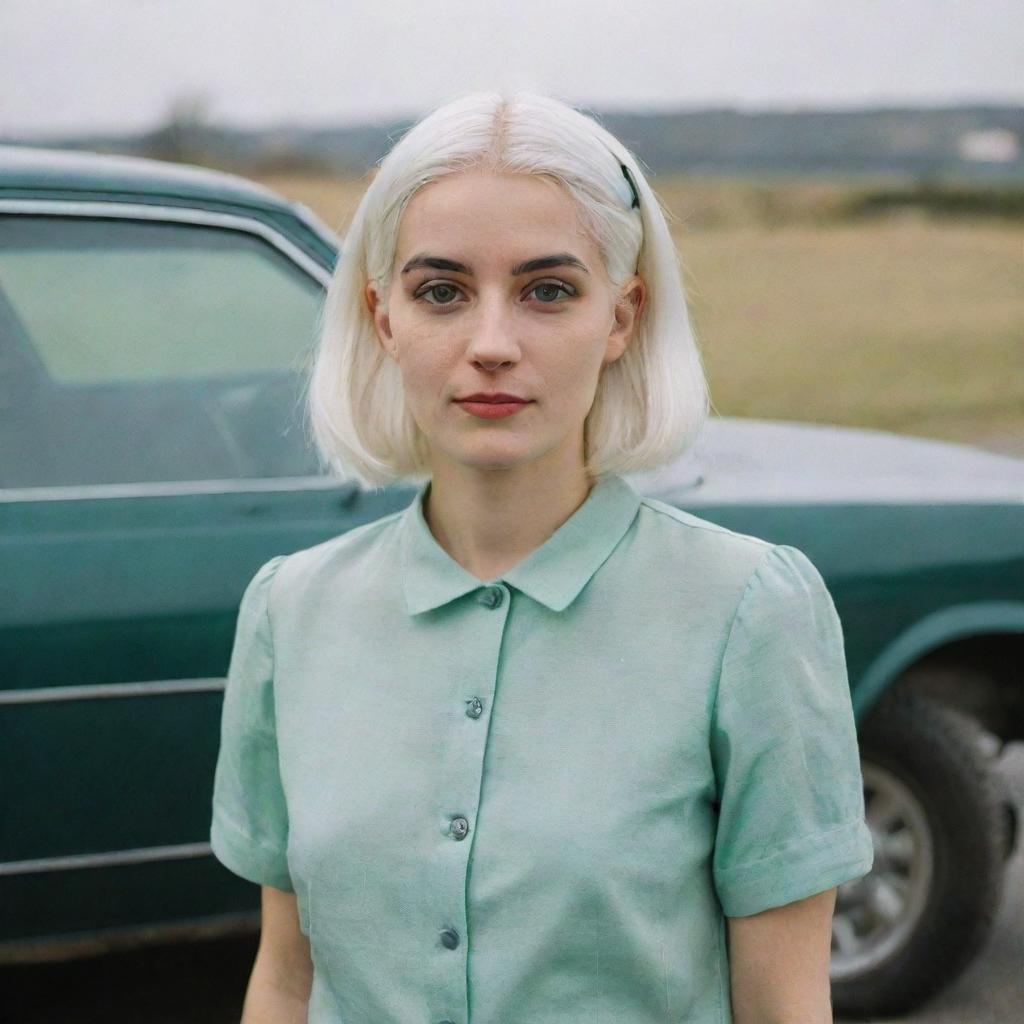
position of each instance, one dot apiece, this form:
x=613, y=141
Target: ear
x=379, y=314
x=628, y=310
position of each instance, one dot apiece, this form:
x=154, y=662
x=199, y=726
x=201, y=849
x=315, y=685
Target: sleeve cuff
x=247, y=858
x=808, y=866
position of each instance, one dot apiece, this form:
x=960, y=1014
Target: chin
x=495, y=462
x=492, y=456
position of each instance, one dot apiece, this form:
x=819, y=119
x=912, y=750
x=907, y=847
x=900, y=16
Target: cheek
x=574, y=356
x=424, y=351
x=424, y=379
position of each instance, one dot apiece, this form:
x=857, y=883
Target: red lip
x=496, y=397
x=495, y=405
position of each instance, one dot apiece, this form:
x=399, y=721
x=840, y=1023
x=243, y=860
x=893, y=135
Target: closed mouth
x=493, y=399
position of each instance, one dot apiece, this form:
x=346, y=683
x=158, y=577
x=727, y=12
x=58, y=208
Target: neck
x=489, y=520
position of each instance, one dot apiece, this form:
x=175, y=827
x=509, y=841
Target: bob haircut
x=650, y=404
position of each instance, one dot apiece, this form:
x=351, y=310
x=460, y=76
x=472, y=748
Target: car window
x=140, y=351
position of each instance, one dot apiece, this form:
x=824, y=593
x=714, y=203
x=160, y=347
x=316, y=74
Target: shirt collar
x=552, y=574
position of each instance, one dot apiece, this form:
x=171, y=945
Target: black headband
x=635, y=205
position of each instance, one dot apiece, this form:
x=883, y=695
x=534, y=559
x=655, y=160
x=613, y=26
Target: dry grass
x=914, y=327
x=904, y=323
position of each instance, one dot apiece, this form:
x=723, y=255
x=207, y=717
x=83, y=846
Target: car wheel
x=934, y=807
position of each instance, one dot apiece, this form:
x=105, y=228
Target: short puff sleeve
x=249, y=829
x=784, y=745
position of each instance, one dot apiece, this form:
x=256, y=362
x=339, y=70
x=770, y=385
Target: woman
x=535, y=749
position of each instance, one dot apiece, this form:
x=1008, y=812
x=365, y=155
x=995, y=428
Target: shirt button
x=474, y=707
x=491, y=597
x=459, y=828
x=449, y=938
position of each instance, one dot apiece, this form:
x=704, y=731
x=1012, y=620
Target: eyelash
x=567, y=288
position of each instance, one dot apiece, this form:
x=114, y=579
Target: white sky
x=116, y=65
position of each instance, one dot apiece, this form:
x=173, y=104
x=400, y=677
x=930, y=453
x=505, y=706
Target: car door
x=152, y=456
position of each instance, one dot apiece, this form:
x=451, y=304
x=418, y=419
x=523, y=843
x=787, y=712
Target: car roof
x=34, y=173
x=54, y=170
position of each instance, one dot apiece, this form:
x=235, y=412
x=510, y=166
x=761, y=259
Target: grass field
x=904, y=322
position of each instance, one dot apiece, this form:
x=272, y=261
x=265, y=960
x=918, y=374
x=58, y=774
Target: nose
x=493, y=340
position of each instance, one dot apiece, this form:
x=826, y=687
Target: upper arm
x=784, y=745
x=249, y=823
x=779, y=962
x=284, y=959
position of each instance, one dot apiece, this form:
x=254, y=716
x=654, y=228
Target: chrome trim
x=181, y=215
x=157, y=688
x=76, y=862
x=174, y=488
x=319, y=227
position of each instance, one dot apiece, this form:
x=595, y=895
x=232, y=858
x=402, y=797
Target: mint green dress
x=535, y=800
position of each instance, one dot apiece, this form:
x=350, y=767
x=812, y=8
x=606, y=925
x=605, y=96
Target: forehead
x=491, y=213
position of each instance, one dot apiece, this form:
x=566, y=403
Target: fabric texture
x=535, y=799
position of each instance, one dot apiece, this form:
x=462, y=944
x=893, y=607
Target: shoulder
x=672, y=519
x=356, y=555
x=685, y=541
x=724, y=562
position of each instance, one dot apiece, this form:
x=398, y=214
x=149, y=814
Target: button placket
x=462, y=775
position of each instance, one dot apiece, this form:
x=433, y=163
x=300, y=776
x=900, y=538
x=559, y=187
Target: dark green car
x=156, y=323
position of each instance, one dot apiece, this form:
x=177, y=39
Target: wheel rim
x=875, y=914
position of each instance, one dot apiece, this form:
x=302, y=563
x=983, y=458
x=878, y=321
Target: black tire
x=938, y=756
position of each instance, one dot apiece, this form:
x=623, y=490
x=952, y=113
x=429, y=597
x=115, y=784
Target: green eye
x=451, y=290
x=547, y=291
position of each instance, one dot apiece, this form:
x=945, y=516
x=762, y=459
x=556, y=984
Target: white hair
x=650, y=403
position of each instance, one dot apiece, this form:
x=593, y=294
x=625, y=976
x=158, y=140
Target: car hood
x=776, y=461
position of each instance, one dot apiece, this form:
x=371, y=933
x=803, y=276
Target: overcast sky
x=117, y=65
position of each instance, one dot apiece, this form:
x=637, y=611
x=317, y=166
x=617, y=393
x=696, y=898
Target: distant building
x=990, y=145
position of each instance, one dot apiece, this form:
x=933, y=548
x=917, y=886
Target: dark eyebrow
x=437, y=263
x=562, y=259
